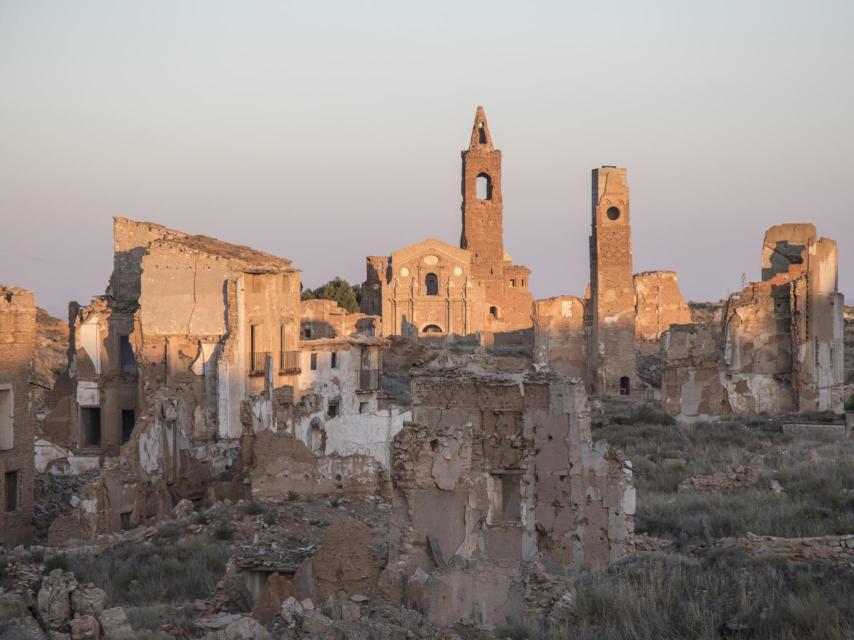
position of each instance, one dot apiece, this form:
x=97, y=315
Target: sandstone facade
x=611, y=355
x=502, y=467
x=658, y=304
x=17, y=350
x=433, y=288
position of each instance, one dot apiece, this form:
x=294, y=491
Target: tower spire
x=480, y=137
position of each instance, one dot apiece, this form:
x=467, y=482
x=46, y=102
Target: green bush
x=269, y=518
x=293, y=496
x=256, y=508
x=56, y=562
x=224, y=531
x=169, y=530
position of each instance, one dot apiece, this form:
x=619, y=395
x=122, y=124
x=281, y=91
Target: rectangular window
x=332, y=408
x=306, y=332
x=314, y=362
x=506, y=499
x=128, y=422
x=257, y=358
x=10, y=486
x=90, y=426
x=126, y=521
x=7, y=419
x=512, y=283
x=128, y=359
x=363, y=407
x=334, y=360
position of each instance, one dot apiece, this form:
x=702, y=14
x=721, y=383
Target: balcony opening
x=10, y=487
x=431, y=284
x=128, y=359
x=90, y=426
x=128, y=423
x=7, y=420
x=314, y=361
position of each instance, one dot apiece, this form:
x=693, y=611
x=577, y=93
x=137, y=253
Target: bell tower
x=612, y=292
x=483, y=232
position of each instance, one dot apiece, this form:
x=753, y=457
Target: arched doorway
x=432, y=328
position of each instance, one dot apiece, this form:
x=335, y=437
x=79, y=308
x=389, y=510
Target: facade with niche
x=432, y=287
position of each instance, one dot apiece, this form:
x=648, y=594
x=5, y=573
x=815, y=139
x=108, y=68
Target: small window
x=314, y=362
x=512, y=283
x=613, y=213
x=128, y=423
x=125, y=519
x=333, y=408
x=363, y=407
x=493, y=311
x=128, y=359
x=625, y=386
x=333, y=362
x=90, y=426
x=506, y=497
x=10, y=486
x=481, y=133
x=483, y=187
x=523, y=282
x=7, y=419
x=307, y=332
x=431, y=283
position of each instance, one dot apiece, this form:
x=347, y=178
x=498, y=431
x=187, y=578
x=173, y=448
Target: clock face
x=404, y=272
x=458, y=271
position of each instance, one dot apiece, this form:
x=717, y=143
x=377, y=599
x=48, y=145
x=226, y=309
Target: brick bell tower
x=612, y=331
x=483, y=231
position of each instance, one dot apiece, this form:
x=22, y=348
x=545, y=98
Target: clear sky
x=327, y=131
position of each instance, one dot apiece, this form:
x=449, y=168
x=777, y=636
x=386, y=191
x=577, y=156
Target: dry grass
x=816, y=473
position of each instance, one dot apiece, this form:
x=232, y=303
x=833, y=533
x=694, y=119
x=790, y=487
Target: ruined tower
x=612, y=294
x=483, y=232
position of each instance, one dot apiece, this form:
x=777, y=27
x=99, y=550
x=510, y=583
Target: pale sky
x=327, y=131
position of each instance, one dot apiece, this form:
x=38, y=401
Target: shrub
x=224, y=531
x=56, y=562
x=849, y=403
x=153, y=617
x=269, y=518
x=36, y=557
x=293, y=496
x=646, y=414
x=144, y=574
x=203, y=517
x=256, y=508
x=169, y=530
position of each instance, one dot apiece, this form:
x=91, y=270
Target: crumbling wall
x=560, y=339
x=658, y=304
x=17, y=350
x=506, y=464
x=283, y=464
x=325, y=319
x=780, y=343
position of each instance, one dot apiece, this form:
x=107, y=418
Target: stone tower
x=483, y=232
x=612, y=294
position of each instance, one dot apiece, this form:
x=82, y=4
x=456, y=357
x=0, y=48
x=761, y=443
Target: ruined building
x=777, y=345
x=435, y=288
x=499, y=469
x=611, y=356
x=17, y=348
x=596, y=338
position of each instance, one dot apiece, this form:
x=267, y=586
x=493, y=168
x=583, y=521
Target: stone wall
x=17, y=350
x=658, y=304
x=560, y=336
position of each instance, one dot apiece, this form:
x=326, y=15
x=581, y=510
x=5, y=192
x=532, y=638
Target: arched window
x=481, y=133
x=431, y=283
x=432, y=328
x=483, y=187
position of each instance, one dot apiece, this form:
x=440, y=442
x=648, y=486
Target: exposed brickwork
x=17, y=349
x=612, y=312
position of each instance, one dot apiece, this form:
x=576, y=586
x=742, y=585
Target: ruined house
x=432, y=287
x=777, y=345
x=17, y=349
x=658, y=304
x=499, y=469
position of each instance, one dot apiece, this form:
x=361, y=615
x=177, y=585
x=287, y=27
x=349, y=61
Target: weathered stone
x=314, y=622
x=114, y=623
x=269, y=604
x=85, y=628
x=53, y=600
x=88, y=600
